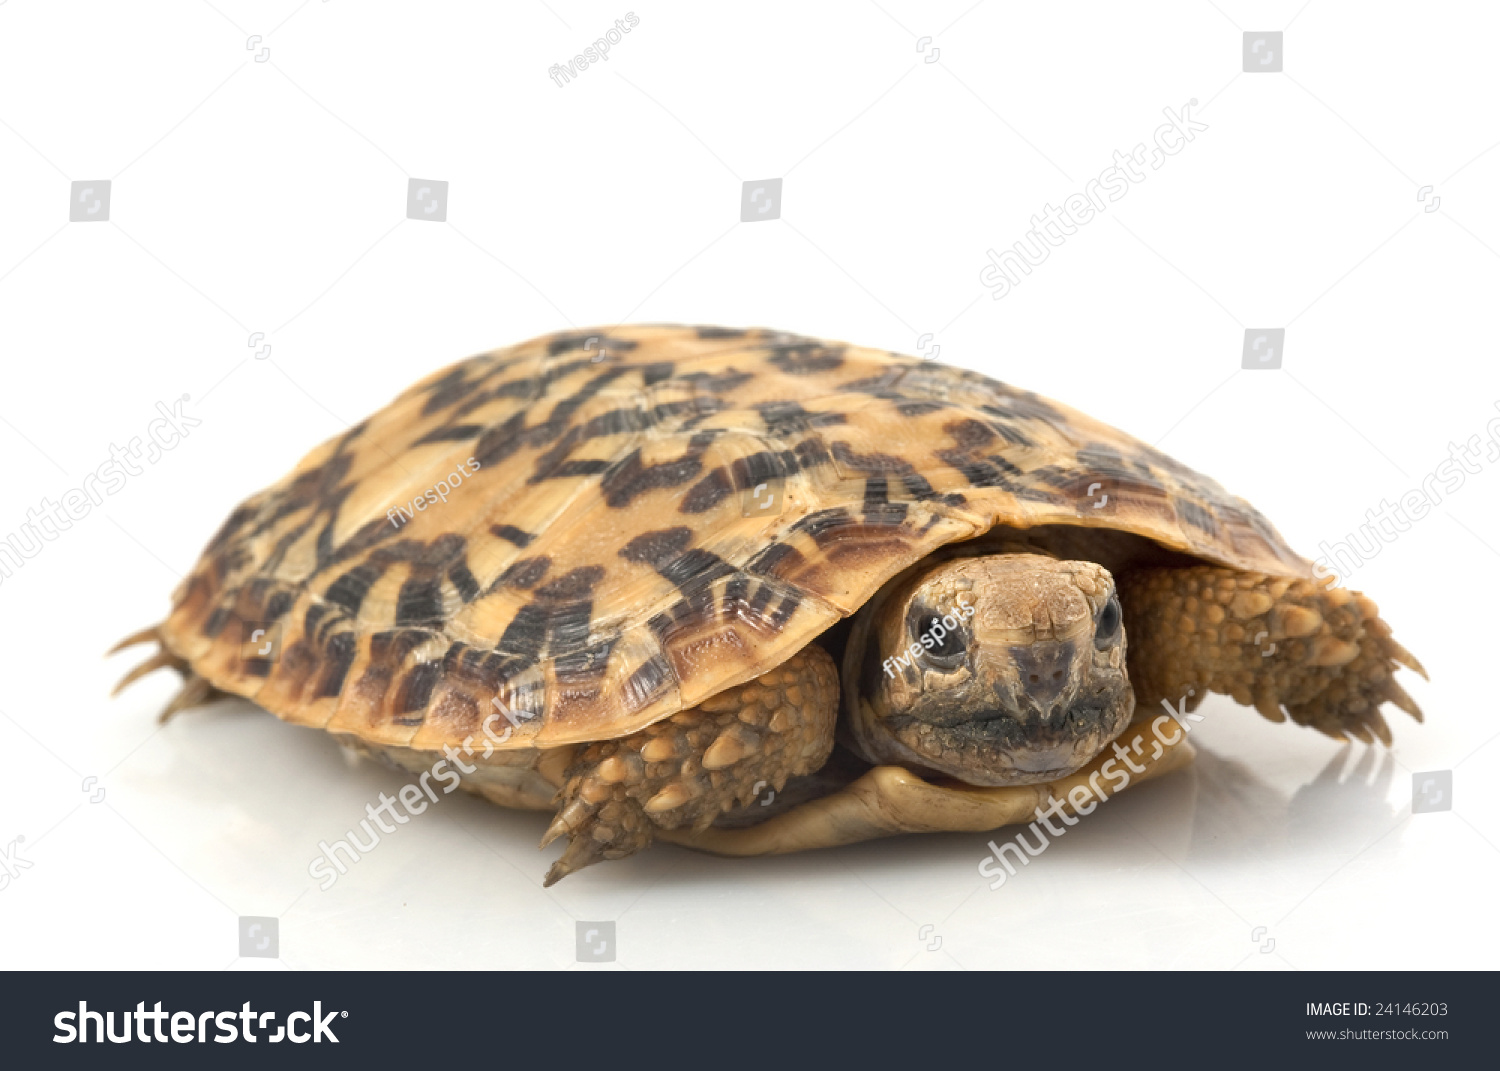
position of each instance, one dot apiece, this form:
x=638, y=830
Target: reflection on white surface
x=1275, y=849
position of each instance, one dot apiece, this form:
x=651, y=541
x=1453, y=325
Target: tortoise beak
x=1046, y=760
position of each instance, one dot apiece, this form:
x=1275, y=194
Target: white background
x=271, y=197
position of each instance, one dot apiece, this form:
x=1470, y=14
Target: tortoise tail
x=196, y=690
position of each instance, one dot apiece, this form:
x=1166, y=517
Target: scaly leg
x=1321, y=653
x=692, y=767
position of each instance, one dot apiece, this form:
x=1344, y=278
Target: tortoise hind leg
x=196, y=690
x=685, y=771
x=1321, y=653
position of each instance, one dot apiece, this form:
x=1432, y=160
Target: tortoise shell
x=601, y=528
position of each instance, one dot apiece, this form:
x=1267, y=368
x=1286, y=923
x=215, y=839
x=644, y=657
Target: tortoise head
x=997, y=670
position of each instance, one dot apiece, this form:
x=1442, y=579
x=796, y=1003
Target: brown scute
x=717, y=382
x=216, y=621
x=633, y=478
x=872, y=463
x=779, y=559
x=232, y=525
x=969, y=434
x=416, y=690
x=783, y=419
x=812, y=452
x=655, y=373
x=807, y=359
x=603, y=565
x=456, y=713
x=573, y=585
x=706, y=493
x=338, y=655
x=511, y=534
x=657, y=547
x=525, y=572
x=420, y=602
x=751, y=471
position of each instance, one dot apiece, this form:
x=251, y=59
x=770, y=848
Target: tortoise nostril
x=1043, y=668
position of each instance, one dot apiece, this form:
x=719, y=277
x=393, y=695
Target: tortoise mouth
x=997, y=747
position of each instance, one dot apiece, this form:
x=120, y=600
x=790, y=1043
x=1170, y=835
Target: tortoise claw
x=1406, y=658
x=1394, y=693
x=612, y=831
x=195, y=690
x=159, y=660
x=145, y=635
x=568, y=820
x=581, y=852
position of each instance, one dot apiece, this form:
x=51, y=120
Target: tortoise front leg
x=1321, y=653
x=687, y=770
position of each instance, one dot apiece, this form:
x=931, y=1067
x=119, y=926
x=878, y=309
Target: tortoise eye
x=1108, y=624
x=940, y=643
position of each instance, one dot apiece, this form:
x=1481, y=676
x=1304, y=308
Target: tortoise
x=754, y=592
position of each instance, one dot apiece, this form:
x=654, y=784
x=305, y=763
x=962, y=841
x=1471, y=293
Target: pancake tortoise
x=753, y=592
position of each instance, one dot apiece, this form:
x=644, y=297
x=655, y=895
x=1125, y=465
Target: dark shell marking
x=599, y=572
